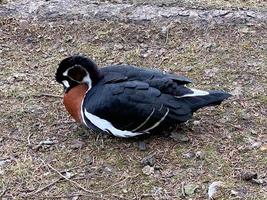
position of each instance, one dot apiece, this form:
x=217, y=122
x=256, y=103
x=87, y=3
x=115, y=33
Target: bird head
x=75, y=70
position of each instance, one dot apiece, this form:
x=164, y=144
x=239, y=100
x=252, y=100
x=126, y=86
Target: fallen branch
x=47, y=95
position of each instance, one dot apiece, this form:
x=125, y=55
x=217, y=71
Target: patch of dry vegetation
x=238, y=4
x=227, y=57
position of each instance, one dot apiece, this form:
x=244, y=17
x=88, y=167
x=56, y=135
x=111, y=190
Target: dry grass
x=228, y=57
x=237, y=4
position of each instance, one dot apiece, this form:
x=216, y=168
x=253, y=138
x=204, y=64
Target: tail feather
x=212, y=98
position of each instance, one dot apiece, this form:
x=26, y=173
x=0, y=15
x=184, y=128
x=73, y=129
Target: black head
x=75, y=70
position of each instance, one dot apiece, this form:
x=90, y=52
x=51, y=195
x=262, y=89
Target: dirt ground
x=44, y=154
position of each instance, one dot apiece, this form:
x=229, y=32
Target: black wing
x=166, y=83
x=133, y=107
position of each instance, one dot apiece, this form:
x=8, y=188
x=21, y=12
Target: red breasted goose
x=128, y=101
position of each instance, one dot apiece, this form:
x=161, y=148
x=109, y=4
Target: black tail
x=215, y=97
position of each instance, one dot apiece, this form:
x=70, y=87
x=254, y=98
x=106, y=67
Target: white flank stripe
x=195, y=93
x=158, y=123
x=145, y=120
x=105, y=125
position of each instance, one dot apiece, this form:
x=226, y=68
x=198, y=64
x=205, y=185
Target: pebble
x=148, y=160
x=200, y=155
x=248, y=176
x=147, y=170
x=188, y=155
x=178, y=137
x=77, y=145
x=142, y=145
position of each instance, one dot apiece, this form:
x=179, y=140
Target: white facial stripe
x=105, y=125
x=140, y=126
x=158, y=123
x=66, y=83
x=87, y=80
x=66, y=72
x=195, y=93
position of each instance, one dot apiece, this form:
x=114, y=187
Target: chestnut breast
x=73, y=101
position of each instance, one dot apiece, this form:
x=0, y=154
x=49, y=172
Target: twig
x=47, y=95
x=14, y=138
x=71, y=181
x=29, y=139
x=45, y=187
x=81, y=187
x=165, y=151
x=107, y=188
x=167, y=36
x=70, y=196
x=182, y=188
x=162, y=60
x=3, y=193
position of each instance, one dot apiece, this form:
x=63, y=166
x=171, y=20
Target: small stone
x=145, y=55
x=67, y=174
x=4, y=161
x=196, y=123
x=77, y=145
x=263, y=147
x=89, y=160
x=29, y=40
x=75, y=197
x=147, y=170
x=200, y=155
x=188, y=155
x=238, y=91
x=190, y=189
x=246, y=30
x=248, y=176
x=164, y=29
x=108, y=169
x=178, y=137
x=239, y=192
x=142, y=145
x=148, y=160
x=214, y=189
x=211, y=72
x=61, y=50
x=260, y=181
x=256, y=145
x=187, y=69
x=118, y=46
